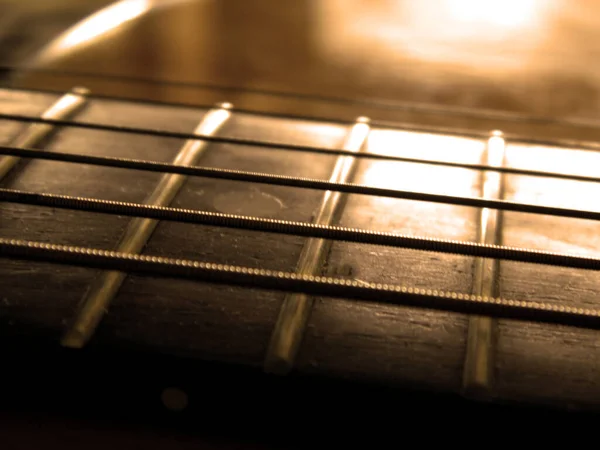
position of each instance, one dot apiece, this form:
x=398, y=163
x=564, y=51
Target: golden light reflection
x=491, y=32
x=492, y=181
x=215, y=119
x=495, y=147
x=428, y=146
x=422, y=177
x=358, y=134
x=577, y=236
x=104, y=21
x=500, y=13
x=554, y=192
x=553, y=159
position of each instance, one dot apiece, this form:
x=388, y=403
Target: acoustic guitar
x=319, y=208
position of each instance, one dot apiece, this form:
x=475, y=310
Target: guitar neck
x=463, y=263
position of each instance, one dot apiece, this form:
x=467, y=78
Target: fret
x=139, y=231
x=62, y=109
x=299, y=229
x=295, y=310
x=479, y=359
x=536, y=362
x=301, y=283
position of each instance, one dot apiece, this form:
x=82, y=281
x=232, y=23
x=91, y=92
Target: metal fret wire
x=290, y=147
x=295, y=310
x=298, y=228
x=293, y=282
x=479, y=363
x=106, y=286
x=65, y=106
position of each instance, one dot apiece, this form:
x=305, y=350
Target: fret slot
x=300, y=229
x=308, y=148
x=295, y=310
x=137, y=234
x=301, y=283
x=479, y=360
x=62, y=109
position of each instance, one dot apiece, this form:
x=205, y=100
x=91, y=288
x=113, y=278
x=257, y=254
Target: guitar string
x=293, y=282
x=381, y=124
x=155, y=166
x=184, y=135
x=298, y=228
x=65, y=106
x=106, y=285
x=572, y=261
x=505, y=205
x=294, y=312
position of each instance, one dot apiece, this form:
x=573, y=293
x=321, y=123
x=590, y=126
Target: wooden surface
x=403, y=347
x=397, y=58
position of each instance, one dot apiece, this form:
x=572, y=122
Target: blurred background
x=27, y=25
x=534, y=57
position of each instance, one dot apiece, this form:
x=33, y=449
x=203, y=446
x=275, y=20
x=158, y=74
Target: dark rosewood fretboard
x=452, y=263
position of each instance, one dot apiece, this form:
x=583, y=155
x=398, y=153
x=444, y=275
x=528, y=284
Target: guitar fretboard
x=454, y=262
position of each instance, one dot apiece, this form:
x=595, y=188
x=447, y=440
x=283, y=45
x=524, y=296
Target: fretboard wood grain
x=399, y=346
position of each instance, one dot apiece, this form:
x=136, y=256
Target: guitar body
x=211, y=340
